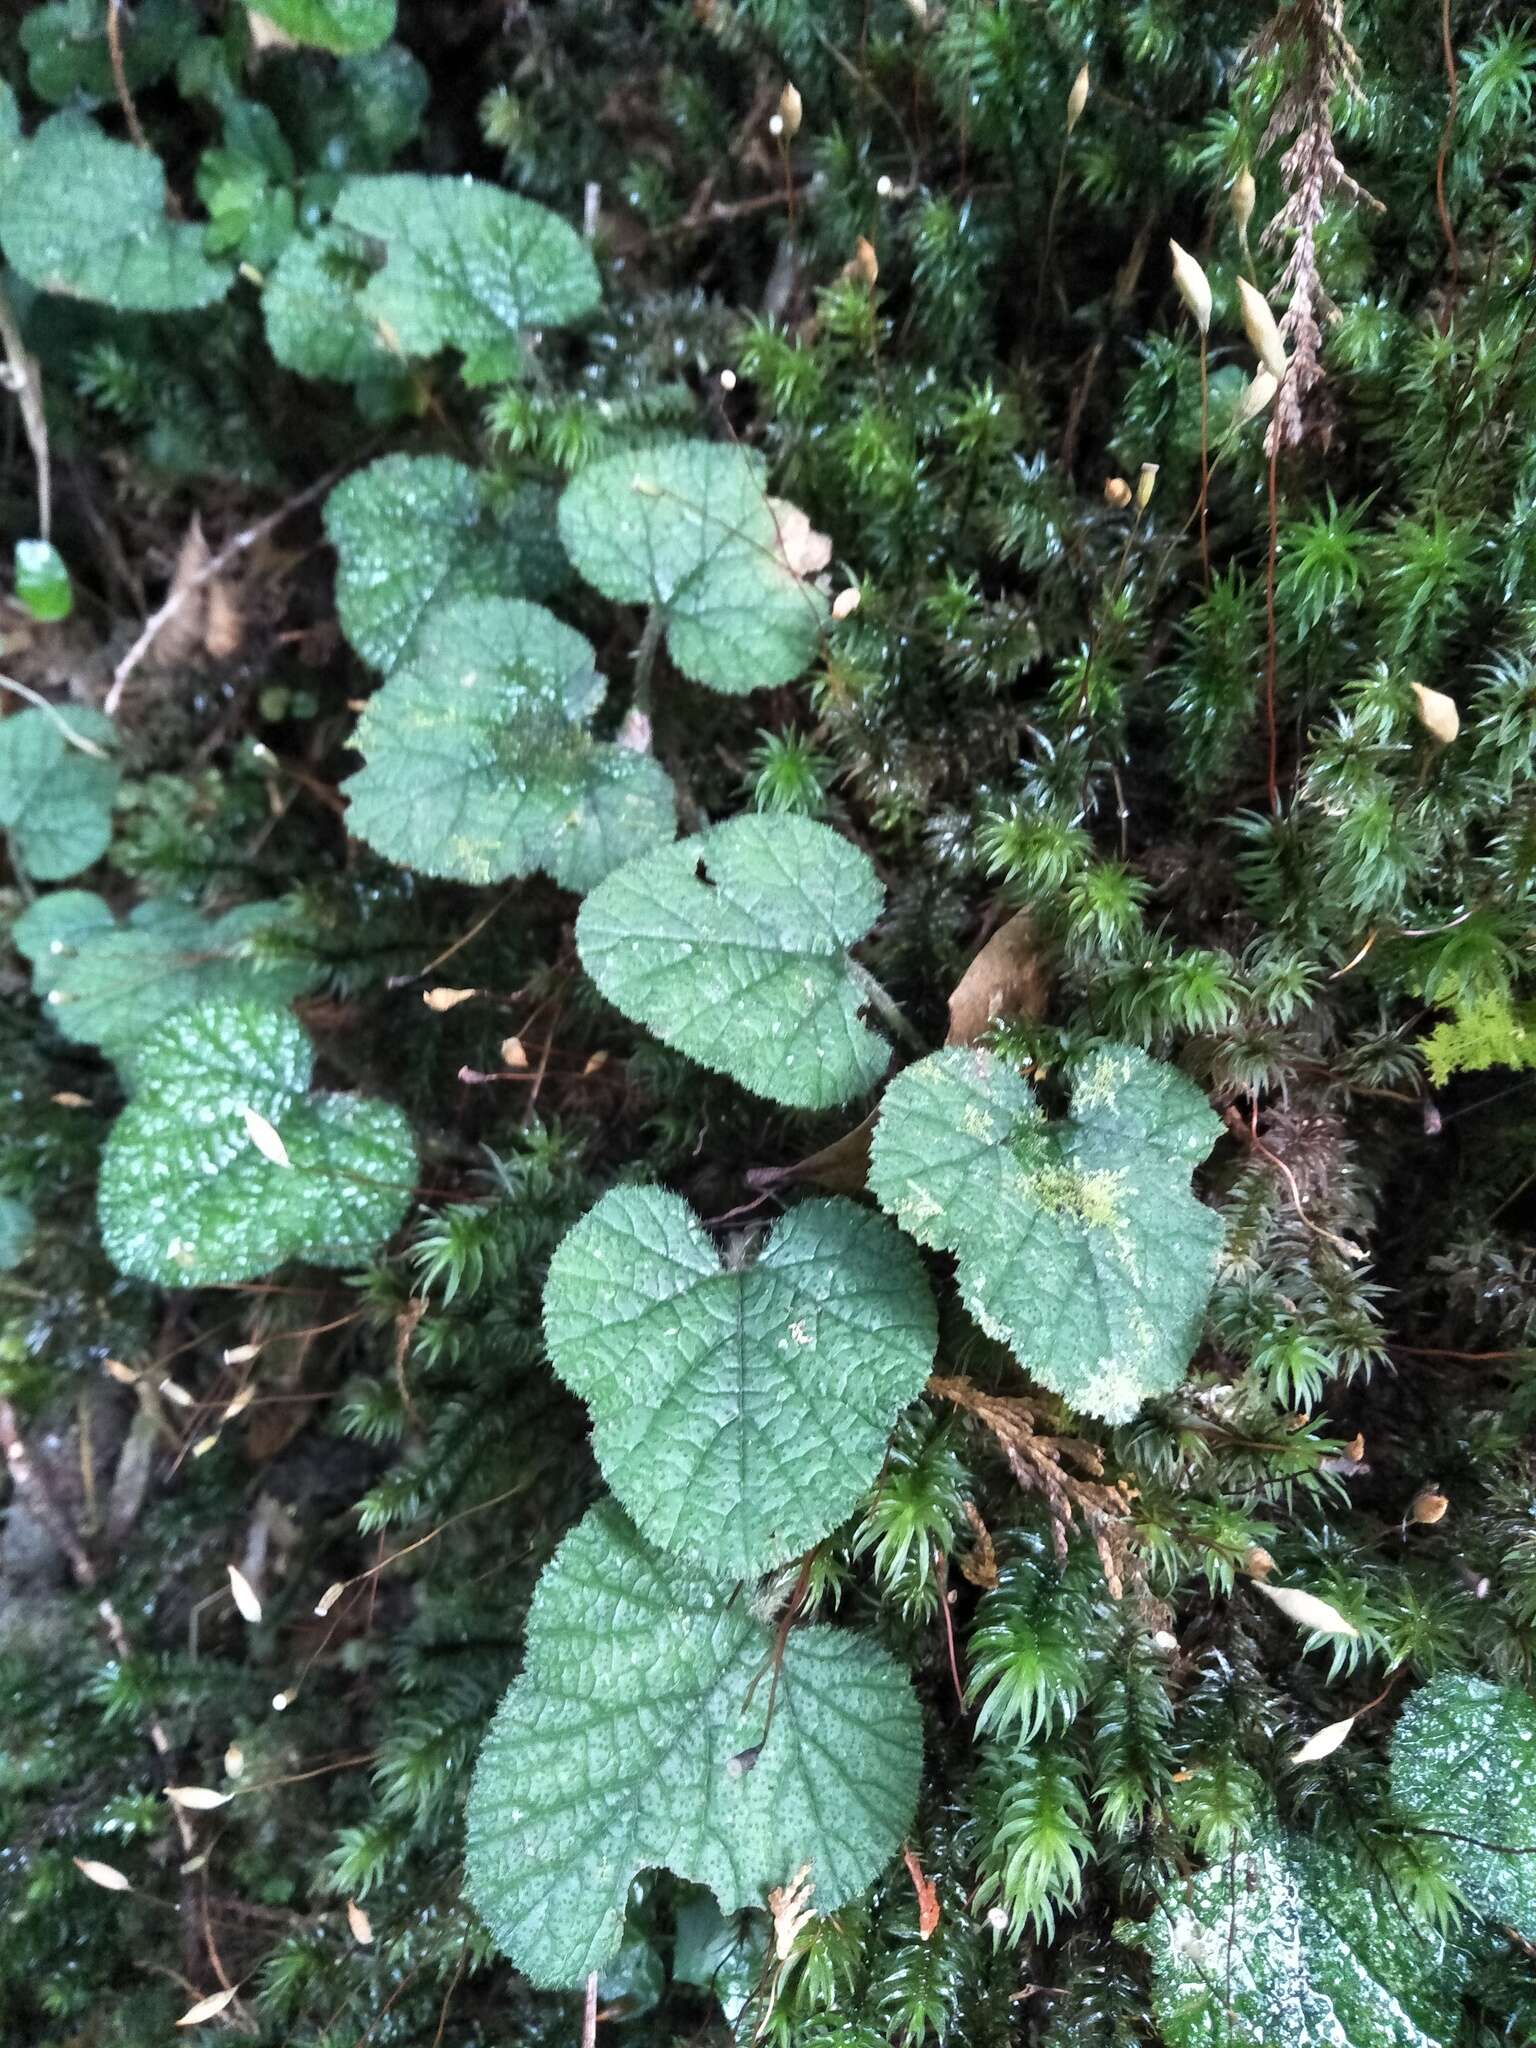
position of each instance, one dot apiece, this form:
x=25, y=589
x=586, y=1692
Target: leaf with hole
x=1464, y=1763
x=1288, y=1945
x=188, y=1200
x=686, y=526
x=739, y=1410
x=413, y=533
x=733, y=946
x=478, y=761
x=110, y=984
x=85, y=216
x=1079, y=1243
x=638, y=1737
x=55, y=797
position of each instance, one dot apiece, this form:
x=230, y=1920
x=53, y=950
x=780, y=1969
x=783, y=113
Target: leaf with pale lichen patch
x=478, y=763
x=1080, y=1245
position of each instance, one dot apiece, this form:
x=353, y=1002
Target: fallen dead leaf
x=841, y=1167
x=1006, y=980
x=798, y=545
x=927, y=1897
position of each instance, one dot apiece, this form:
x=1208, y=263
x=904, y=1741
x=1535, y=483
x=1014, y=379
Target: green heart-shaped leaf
x=686, y=526
x=415, y=532
x=631, y=1742
x=110, y=985
x=55, y=797
x=740, y=1412
x=412, y=264
x=191, y=1194
x=86, y=217
x=733, y=946
x=479, y=764
x=1080, y=1245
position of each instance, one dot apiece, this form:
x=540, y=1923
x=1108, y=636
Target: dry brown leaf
x=181, y=637
x=441, y=1000
x=206, y=2008
x=841, y=1167
x=358, y=1921
x=1007, y=980
x=514, y=1054
x=197, y=1798
x=266, y=35
x=864, y=265
x=1307, y=1611
x=927, y=1897
x=1437, y=713
x=223, y=622
x=264, y=1137
x=68, y=1099
x=797, y=544
x=103, y=1874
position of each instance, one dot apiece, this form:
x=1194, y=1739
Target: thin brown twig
x=1453, y=86
x=589, y=2014
x=246, y=538
x=120, y=75
x=25, y=379
x=1271, y=645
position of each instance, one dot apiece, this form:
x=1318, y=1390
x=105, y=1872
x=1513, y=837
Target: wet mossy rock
x=1079, y=1243
x=733, y=946
x=637, y=1738
x=739, y=1410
